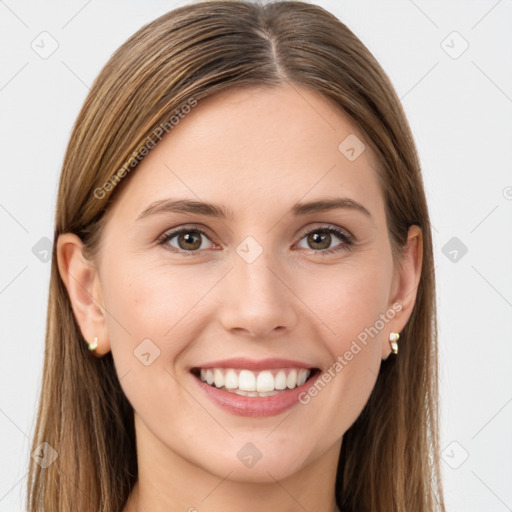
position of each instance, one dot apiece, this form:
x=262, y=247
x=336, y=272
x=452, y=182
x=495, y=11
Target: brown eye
x=188, y=240
x=320, y=239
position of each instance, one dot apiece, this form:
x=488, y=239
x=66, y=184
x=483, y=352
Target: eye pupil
x=315, y=238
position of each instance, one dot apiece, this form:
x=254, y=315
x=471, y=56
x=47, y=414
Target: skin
x=256, y=152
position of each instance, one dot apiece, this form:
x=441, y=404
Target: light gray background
x=460, y=110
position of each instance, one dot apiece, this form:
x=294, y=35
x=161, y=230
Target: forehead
x=254, y=150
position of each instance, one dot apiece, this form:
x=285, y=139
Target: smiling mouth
x=250, y=383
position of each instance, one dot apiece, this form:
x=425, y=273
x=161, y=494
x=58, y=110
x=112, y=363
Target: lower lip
x=252, y=405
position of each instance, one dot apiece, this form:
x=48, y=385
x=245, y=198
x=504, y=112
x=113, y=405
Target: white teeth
x=280, y=380
x=218, y=378
x=255, y=384
x=231, y=380
x=301, y=378
x=265, y=382
x=291, y=380
x=247, y=381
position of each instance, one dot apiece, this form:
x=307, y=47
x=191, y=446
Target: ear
x=405, y=285
x=83, y=285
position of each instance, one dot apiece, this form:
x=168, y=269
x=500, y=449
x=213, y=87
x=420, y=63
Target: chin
x=250, y=460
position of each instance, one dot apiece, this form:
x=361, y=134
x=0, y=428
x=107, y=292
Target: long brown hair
x=389, y=459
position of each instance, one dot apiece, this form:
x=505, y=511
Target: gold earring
x=94, y=345
x=393, y=338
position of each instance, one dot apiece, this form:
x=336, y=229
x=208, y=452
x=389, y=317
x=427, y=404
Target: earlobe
x=82, y=283
x=405, y=284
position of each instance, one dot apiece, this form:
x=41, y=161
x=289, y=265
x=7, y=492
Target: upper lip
x=253, y=364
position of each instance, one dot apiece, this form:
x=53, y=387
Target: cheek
x=353, y=307
x=150, y=323
x=350, y=300
x=148, y=303
x=356, y=311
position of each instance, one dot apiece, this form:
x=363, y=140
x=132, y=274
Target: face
x=256, y=300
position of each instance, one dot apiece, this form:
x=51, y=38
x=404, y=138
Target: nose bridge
x=256, y=298
x=256, y=278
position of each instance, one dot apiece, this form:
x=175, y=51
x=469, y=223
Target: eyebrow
x=216, y=211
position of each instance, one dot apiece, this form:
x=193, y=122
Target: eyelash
x=344, y=236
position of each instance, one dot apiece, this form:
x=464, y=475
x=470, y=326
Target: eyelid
x=326, y=227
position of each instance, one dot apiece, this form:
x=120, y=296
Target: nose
x=257, y=299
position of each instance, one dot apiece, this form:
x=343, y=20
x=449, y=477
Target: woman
x=241, y=311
